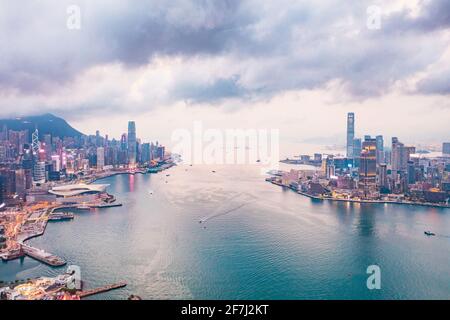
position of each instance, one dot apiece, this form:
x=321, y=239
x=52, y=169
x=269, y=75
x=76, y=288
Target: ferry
x=84, y=207
x=59, y=216
x=277, y=173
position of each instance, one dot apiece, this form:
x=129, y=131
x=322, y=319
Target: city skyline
x=224, y=150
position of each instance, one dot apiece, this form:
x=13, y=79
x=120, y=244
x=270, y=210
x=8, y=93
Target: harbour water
x=256, y=241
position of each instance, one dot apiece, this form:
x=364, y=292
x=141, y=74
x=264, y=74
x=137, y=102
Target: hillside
x=46, y=124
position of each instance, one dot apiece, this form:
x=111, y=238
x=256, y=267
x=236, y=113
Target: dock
x=12, y=254
x=87, y=293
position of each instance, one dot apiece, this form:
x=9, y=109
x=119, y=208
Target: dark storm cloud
x=143, y=30
x=434, y=15
x=271, y=46
x=436, y=84
x=220, y=89
x=46, y=53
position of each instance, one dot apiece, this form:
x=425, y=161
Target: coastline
x=430, y=205
x=53, y=260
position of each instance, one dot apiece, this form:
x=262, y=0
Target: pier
x=87, y=293
x=12, y=254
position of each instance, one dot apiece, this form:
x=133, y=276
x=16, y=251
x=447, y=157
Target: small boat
x=150, y=192
x=429, y=233
x=83, y=207
x=214, y=171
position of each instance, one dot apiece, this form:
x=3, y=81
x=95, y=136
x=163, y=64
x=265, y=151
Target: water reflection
x=131, y=182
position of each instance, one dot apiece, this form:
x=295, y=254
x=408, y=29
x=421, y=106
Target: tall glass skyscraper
x=350, y=134
x=380, y=150
x=368, y=165
x=131, y=143
x=446, y=148
x=357, y=148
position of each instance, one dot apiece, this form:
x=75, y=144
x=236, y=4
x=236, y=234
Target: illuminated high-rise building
x=131, y=143
x=36, y=145
x=350, y=134
x=368, y=164
x=357, y=146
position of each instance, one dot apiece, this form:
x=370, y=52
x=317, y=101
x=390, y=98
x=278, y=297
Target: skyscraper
x=446, y=148
x=100, y=158
x=382, y=177
x=4, y=134
x=368, y=165
x=21, y=184
x=397, y=153
x=411, y=172
x=123, y=142
x=357, y=146
x=350, y=134
x=131, y=143
x=39, y=172
x=36, y=145
x=146, y=153
x=380, y=149
x=400, y=155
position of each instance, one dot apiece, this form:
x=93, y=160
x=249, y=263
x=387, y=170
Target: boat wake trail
x=222, y=213
x=205, y=219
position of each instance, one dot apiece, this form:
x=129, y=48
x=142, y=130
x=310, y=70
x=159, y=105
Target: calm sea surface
x=260, y=242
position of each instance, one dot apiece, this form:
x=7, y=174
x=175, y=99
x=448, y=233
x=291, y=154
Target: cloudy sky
x=298, y=66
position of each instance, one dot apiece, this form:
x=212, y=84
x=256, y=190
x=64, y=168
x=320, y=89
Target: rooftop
x=78, y=189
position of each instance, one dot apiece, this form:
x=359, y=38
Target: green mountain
x=46, y=124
